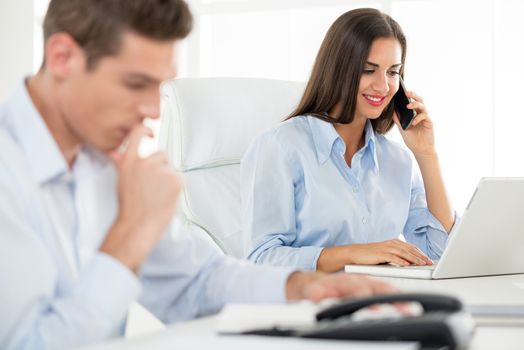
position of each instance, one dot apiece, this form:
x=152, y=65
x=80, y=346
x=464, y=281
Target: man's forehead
x=144, y=57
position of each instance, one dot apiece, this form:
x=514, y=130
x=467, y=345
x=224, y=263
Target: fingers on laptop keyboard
x=406, y=254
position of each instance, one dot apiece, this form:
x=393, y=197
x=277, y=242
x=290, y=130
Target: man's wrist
x=117, y=244
x=297, y=282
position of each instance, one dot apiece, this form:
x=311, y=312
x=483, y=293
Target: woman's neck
x=352, y=134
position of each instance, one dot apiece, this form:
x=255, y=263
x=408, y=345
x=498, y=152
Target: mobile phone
x=405, y=115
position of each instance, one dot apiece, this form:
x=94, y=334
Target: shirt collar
x=45, y=160
x=325, y=137
x=370, y=145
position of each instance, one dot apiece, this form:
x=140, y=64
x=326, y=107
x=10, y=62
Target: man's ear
x=63, y=55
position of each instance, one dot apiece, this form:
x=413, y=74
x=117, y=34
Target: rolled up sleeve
x=422, y=228
x=268, y=175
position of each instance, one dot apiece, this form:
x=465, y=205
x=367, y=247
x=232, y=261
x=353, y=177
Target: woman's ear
x=63, y=55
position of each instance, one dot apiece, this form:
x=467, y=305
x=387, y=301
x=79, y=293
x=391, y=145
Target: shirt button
x=355, y=188
x=67, y=177
x=364, y=220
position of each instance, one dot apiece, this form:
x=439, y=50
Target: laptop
x=489, y=240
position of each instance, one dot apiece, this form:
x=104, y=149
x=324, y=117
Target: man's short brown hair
x=97, y=25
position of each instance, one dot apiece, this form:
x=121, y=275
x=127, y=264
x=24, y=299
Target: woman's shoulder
x=283, y=145
x=290, y=133
x=390, y=147
x=290, y=127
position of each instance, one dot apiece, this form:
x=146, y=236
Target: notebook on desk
x=489, y=240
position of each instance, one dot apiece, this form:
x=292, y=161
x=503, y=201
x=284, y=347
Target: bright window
x=463, y=58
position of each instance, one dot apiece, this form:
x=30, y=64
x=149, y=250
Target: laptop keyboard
x=423, y=267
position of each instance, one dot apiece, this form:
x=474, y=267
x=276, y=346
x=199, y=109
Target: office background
x=465, y=57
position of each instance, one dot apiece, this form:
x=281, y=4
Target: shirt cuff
x=302, y=258
x=271, y=285
x=315, y=259
x=109, y=286
x=428, y=233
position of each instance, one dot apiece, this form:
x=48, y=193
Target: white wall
x=464, y=57
x=16, y=43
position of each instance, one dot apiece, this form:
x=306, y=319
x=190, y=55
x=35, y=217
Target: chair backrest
x=206, y=126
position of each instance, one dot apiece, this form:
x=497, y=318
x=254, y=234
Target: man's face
x=101, y=106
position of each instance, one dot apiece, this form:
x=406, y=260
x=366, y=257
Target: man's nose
x=151, y=111
x=150, y=108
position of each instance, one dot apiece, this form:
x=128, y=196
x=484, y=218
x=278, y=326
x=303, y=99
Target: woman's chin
x=375, y=116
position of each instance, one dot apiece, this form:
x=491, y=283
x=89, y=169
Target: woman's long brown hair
x=339, y=65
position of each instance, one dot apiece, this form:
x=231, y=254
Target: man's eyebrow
x=143, y=77
x=376, y=65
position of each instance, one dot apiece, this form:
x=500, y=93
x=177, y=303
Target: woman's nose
x=381, y=84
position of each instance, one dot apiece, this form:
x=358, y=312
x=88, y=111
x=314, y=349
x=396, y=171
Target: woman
x=325, y=188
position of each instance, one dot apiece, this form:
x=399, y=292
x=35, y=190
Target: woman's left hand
x=419, y=137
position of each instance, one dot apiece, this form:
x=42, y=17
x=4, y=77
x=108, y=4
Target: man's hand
x=316, y=286
x=148, y=191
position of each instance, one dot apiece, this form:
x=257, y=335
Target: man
x=87, y=228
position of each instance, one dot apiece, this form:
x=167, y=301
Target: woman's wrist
x=426, y=156
x=333, y=259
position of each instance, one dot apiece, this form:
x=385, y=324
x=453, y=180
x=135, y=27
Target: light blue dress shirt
x=299, y=195
x=57, y=290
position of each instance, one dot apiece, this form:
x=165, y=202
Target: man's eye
x=136, y=86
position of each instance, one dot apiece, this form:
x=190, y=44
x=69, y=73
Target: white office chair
x=206, y=126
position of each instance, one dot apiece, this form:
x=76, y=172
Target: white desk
x=499, y=290
x=200, y=334
x=496, y=290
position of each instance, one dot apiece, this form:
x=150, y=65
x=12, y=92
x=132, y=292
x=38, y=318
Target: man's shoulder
x=9, y=147
x=14, y=172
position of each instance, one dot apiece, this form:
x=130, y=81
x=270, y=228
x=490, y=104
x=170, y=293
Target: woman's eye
x=392, y=73
x=369, y=71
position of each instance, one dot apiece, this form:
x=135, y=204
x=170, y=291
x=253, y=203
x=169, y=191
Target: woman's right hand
x=393, y=251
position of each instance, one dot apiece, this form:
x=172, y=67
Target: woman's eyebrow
x=377, y=65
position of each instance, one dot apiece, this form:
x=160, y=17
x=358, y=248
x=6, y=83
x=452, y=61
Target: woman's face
x=380, y=78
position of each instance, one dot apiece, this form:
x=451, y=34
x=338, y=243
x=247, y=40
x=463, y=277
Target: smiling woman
x=326, y=188
x=459, y=64
x=343, y=60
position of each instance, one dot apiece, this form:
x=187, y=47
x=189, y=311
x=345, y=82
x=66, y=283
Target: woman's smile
x=375, y=100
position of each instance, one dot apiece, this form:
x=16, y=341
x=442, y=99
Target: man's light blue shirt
x=299, y=195
x=58, y=291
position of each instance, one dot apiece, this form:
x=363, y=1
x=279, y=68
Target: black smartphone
x=405, y=115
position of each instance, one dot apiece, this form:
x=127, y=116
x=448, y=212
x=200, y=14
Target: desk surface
x=493, y=290
x=497, y=290
x=199, y=334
